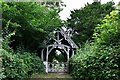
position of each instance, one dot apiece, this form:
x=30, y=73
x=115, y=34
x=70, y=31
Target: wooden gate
x=58, y=67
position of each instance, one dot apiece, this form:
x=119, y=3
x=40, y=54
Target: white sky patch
x=58, y=52
x=76, y=4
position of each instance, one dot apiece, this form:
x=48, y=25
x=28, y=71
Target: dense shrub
x=2, y=75
x=96, y=62
x=37, y=65
x=19, y=63
x=20, y=66
x=32, y=60
x=109, y=31
x=99, y=60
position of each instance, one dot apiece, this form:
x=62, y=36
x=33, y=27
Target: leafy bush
x=34, y=62
x=99, y=60
x=37, y=65
x=109, y=31
x=96, y=63
x=18, y=63
x=2, y=75
x=20, y=66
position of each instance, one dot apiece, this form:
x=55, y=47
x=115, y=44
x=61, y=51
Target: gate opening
x=57, y=61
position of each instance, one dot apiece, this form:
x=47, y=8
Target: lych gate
x=62, y=43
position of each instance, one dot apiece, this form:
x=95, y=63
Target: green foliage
x=109, y=31
x=20, y=63
x=99, y=60
x=32, y=58
x=30, y=21
x=57, y=55
x=2, y=75
x=95, y=62
x=84, y=20
x=20, y=30
x=20, y=66
x=6, y=38
x=60, y=58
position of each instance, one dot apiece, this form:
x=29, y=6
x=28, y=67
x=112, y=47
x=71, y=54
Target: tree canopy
x=84, y=20
x=30, y=22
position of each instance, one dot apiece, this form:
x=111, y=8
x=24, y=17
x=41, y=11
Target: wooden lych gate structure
x=62, y=42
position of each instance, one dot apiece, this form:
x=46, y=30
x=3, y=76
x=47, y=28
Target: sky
x=76, y=4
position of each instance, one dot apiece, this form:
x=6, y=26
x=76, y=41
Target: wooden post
x=73, y=53
x=47, y=61
x=57, y=35
x=42, y=55
x=68, y=54
x=46, y=66
x=47, y=55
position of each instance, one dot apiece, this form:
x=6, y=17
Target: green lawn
x=63, y=76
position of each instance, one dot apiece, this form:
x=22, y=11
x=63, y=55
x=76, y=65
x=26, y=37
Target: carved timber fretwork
x=62, y=42
x=70, y=41
x=58, y=41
